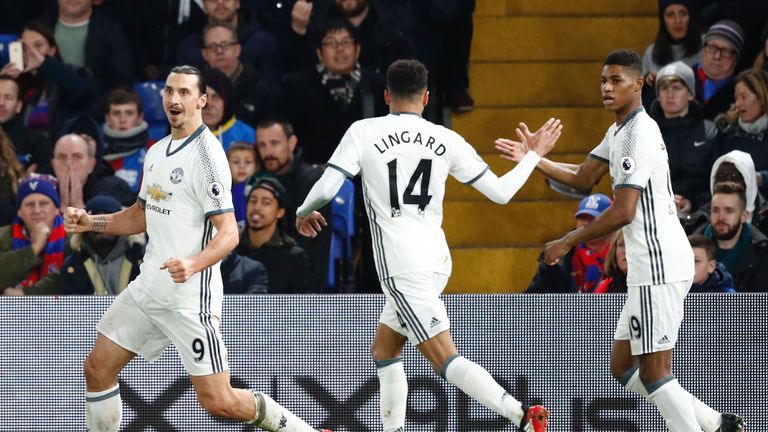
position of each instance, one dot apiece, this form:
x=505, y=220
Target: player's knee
x=94, y=375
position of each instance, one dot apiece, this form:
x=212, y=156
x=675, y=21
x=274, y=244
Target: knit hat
x=218, y=81
x=593, y=205
x=664, y=4
x=37, y=185
x=103, y=204
x=728, y=30
x=678, y=70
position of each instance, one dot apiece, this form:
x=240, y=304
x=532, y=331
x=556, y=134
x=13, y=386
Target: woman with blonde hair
x=10, y=173
x=745, y=126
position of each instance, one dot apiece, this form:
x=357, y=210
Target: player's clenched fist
x=180, y=269
x=77, y=220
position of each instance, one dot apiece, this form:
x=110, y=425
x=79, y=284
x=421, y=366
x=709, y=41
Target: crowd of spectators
x=286, y=79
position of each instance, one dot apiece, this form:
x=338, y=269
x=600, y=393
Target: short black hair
x=191, y=70
x=336, y=25
x=121, y=96
x=406, y=78
x=268, y=122
x=626, y=58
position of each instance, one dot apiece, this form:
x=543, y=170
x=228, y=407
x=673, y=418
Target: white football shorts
x=651, y=316
x=413, y=307
x=143, y=326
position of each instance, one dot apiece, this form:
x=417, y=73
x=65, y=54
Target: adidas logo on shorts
x=434, y=322
x=664, y=340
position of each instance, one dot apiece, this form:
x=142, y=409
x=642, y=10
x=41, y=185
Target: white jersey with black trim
x=184, y=183
x=404, y=162
x=657, y=248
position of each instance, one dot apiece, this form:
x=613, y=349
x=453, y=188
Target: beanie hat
x=272, y=185
x=593, y=205
x=664, y=4
x=39, y=185
x=103, y=204
x=218, y=81
x=728, y=30
x=678, y=70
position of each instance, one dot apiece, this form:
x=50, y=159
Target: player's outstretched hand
x=555, y=250
x=77, y=220
x=543, y=141
x=309, y=226
x=513, y=151
x=180, y=269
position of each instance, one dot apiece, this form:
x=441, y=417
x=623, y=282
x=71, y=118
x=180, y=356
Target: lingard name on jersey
x=406, y=137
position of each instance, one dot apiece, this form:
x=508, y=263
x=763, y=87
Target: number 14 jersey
x=404, y=162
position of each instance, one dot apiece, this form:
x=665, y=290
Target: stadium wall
x=311, y=353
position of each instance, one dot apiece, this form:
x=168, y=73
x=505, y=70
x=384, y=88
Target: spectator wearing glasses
x=723, y=43
x=252, y=90
x=323, y=101
x=255, y=45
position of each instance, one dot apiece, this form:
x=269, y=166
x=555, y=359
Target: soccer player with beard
x=186, y=208
x=741, y=247
x=660, y=259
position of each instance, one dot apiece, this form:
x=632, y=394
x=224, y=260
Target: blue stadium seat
x=5, y=39
x=151, y=93
x=343, y=223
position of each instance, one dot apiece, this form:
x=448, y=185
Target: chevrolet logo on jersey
x=156, y=193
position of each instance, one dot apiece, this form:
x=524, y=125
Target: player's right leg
x=103, y=406
x=641, y=359
x=421, y=316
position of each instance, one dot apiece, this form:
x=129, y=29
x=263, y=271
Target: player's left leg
x=219, y=399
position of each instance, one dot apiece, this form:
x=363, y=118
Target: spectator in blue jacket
x=218, y=113
x=710, y=275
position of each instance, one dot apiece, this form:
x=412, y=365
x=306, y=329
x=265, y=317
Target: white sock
x=271, y=416
x=477, y=383
x=103, y=410
x=631, y=382
x=708, y=419
x=394, y=394
x=674, y=404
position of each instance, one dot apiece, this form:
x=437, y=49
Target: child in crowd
x=243, y=163
x=710, y=275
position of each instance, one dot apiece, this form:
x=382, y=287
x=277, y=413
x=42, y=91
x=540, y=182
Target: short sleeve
x=212, y=179
x=346, y=157
x=142, y=196
x=466, y=165
x=635, y=161
x=602, y=151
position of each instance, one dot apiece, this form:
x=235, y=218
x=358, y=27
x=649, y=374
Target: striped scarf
x=53, y=256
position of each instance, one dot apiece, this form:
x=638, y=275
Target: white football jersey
x=184, y=182
x=658, y=251
x=404, y=162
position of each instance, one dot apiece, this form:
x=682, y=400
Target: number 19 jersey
x=404, y=162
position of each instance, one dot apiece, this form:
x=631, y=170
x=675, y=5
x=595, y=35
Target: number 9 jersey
x=404, y=162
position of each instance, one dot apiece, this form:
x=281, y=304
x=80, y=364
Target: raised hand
x=77, y=220
x=309, y=226
x=38, y=237
x=543, y=141
x=513, y=151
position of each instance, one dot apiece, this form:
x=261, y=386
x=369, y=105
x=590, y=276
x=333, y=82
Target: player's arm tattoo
x=99, y=223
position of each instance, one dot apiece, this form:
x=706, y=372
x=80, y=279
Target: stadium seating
x=151, y=93
x=343, y=223
x=549, y=54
